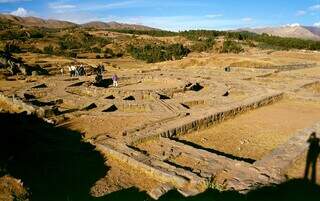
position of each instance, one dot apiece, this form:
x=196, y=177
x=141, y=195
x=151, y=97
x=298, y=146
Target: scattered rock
x=40, y=86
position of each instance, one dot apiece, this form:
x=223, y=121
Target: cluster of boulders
x=17, y=66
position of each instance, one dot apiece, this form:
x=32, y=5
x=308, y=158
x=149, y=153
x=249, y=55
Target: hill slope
x=38, y=22
x=35, y=22
x=304, y=32
x=115, y=25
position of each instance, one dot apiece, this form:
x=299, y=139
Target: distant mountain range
x=294, y=31
x=38, y=22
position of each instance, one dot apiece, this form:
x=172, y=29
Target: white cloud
x=247, y=19
x=12, y=1
x=301, y=13
x=62, y=6
x=317, y=24
x=214, y=15
x=57, y=5
x=121, y=4
x=312, y=10
x=315, y=7
x=21, y=12
x=292, y=25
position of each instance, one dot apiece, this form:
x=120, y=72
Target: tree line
x=264, y=40
x=74, y=41
x=152, y=53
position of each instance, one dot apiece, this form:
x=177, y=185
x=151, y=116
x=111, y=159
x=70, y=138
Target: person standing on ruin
x=115, y=80
x=71, y=71
x=312, y=157
x=76, y=71
x=62, y=71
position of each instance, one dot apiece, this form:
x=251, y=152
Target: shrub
x=82, y=40
x=231, y=47
x=68, y=44
x=35, y=33
x=251, y=44
x=48, y=50
x=204, y=45
x=14, y=34
x=71, y=54
x=95, y=50
x=12, y=48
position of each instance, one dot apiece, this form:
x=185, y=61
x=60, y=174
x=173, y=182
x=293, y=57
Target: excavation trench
x=214, y=151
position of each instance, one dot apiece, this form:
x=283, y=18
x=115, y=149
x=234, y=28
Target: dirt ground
x=297, y=170
x=252, y=59
x=256, y=133
x=114, y=126
x=153, y=84
x=120, y=177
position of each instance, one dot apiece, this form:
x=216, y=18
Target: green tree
x=152, y=53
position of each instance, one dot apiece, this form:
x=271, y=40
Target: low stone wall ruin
x=15, y=102
x=215, y=116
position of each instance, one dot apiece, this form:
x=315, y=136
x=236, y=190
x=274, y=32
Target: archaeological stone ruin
x=236, y=129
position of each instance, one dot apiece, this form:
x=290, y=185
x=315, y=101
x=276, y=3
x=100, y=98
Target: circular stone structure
x=155, y=84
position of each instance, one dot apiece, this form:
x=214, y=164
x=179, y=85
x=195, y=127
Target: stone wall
x=209, y=118
x=20, y=106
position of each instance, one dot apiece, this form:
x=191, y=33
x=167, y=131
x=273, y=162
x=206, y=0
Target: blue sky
x=174, y=14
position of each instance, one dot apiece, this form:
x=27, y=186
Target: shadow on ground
x=293, y=190
x=56, y=165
